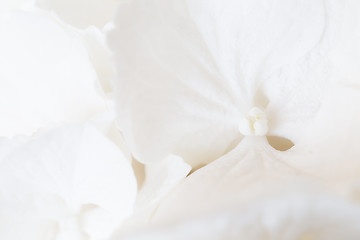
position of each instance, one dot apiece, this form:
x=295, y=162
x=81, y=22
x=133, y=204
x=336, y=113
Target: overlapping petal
x=160, y=178
x=252, y=171
x=72, y=183
x=46, y=75
x=284, y=217
x=189, y=71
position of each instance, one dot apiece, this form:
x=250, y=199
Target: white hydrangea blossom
x=244, y=116
x=235, y=81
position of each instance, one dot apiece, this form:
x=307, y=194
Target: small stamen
x=254, y=124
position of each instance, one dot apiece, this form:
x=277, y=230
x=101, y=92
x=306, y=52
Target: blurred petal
x=99, y=55
x=6, y=5
x=68, y=184
x=82, y=13
x=46, y=76
x=284, y=217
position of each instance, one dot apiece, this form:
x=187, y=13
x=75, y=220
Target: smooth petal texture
x=105, y=122
x=6, y=5
x=99, y=54
x=284, y=217
x=70, y=184
x=160, y=179
x=345, y=55
x=82, y=13
x=46, y=76
x=189, y=71
x=253, y=170
x=329, y=148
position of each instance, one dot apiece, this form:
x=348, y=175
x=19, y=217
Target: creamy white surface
x=46, y=76
x=69, y=184
x=189, y=71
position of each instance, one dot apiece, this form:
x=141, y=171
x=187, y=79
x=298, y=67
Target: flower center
x=254, y=124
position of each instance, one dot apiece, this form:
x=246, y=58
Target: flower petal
x=46, y=76
x=288, y=216
x=160, y=179
x=6, y=5
x=189, y=71
x=82, y=13
x=253, y=170
x=72, y=181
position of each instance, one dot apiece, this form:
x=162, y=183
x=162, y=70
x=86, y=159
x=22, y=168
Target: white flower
x=263, y=96
x=237, y=81
x=189, y=72
x=69, y=184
